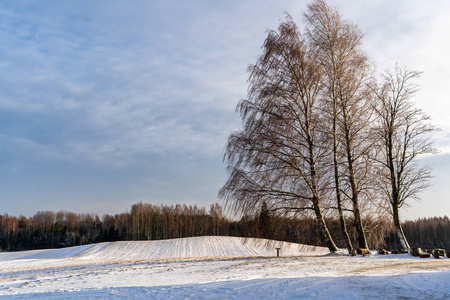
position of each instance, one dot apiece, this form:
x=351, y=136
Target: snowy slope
x=195, y=247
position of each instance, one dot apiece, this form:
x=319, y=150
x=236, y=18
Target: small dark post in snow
x=278, y=252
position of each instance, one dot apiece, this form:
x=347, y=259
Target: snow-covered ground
x=217, y=268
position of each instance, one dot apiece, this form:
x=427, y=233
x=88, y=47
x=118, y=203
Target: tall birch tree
x=277, y=157
x=404, y=135
x=346, y=73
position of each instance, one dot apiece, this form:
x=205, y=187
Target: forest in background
x=48, y=229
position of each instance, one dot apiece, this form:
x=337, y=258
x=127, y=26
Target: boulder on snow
x=438, y=253
x=383, y=252
x=416, y=251
x=363, y=251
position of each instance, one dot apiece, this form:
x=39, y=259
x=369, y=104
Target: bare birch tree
x=346, y=73
x=403, y=131
x=277, y=156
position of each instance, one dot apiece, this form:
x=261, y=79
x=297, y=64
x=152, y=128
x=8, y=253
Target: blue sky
x=107, y=103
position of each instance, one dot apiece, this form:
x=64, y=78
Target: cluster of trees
x=152, y=222
x=381, y=233
x=47, y=229
x=322, y=136
x=307, y=230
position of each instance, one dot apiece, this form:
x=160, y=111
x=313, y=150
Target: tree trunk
x=326, y=236
x=395, y=195
x=362, y=242
x=348, y=242
x=325, y=233
x=398, y=228
x=338, y=193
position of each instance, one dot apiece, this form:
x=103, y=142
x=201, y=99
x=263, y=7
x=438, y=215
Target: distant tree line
x=48, y=229
x=425, y=233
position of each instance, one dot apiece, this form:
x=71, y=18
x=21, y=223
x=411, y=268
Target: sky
x=107, y=103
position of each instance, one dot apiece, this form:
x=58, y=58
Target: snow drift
x=195, y=247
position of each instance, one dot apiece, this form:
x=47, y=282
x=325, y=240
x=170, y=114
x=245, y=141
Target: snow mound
x=194, y=247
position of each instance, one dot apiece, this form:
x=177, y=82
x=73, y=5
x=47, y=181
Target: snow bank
x=195, y=247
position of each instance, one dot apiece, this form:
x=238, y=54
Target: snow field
x=195, y=247
x=217, y=268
